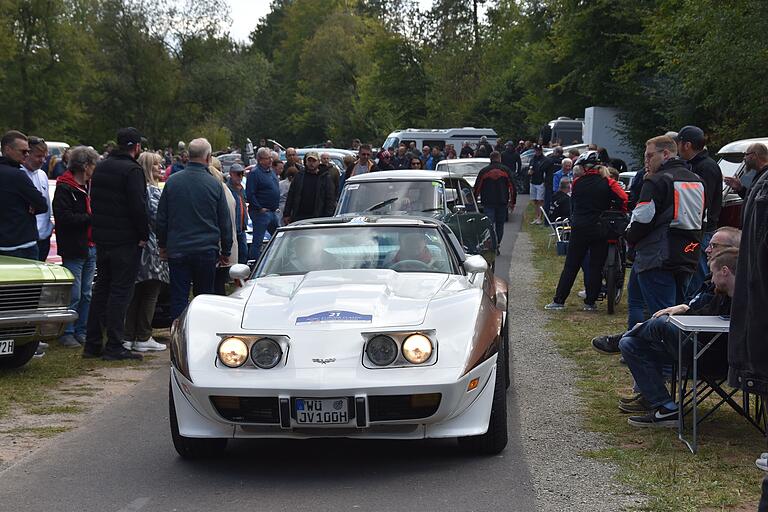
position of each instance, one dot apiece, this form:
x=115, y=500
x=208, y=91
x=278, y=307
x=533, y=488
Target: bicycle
x=615, y=261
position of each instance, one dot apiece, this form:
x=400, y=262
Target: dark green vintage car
x=432, y=193
x=34, y=307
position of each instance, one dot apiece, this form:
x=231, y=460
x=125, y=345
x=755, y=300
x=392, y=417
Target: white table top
x=700, y=323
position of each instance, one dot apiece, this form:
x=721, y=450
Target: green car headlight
x=55, y=295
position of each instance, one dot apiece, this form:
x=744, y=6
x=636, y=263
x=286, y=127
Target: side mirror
x=240, y=271
x=475, y=264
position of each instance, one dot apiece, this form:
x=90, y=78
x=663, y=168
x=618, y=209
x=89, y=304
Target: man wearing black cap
x=120, y=229
x=690, y=147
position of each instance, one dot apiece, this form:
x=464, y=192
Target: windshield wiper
x=436, y=209
x=381, y=204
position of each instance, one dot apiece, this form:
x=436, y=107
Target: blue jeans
x=83, y=269
x=647, y=350
x=262, y=222
x=702, y=270
x=661, y=288
x=242, y=247
x=196, y=271
x=29, y=253
x=635, y=301
x=498, y=216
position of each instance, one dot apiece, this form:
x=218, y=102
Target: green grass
x=31, y=385
x=653, y=461
x=49, y=431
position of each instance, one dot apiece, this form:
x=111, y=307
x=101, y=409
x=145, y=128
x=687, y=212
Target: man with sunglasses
x=20, y=199
x=32, y=166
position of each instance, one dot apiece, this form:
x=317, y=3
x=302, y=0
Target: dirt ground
x=26, y=430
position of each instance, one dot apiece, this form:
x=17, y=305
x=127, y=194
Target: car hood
x=16, y=270
x=330, y=300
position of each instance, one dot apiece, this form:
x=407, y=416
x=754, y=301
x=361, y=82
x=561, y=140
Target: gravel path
x=553, y=436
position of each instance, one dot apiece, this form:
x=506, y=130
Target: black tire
x=190, y=447
x=611, y=271
x=21, y=356
x=495, y=439
x=505, y=338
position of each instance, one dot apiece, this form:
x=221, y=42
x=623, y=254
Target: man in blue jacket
x=263, y=194
x=194, y=230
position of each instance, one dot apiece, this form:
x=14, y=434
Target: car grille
x=19, y=296
x=248, y=409
x=16, y=332
x=402, y=407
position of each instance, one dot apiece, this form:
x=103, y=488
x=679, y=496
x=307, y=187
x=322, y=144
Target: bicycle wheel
x=611, y=277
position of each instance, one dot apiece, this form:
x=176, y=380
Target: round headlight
x=417, y=348
x=381, y=350
x=266, y=353
x=233, y=352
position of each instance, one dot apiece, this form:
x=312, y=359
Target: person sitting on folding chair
x=654, y=343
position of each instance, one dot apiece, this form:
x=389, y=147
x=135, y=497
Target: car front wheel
x=21, y=356
x=190, y=447
x=495, y=439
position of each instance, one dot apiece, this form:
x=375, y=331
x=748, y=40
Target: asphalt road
x=122, y=460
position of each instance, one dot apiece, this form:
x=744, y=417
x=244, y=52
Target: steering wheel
x=410, y=265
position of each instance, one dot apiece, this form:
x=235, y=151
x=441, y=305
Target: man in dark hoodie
x=120, y=230
x=20, y=199
x=311, y=193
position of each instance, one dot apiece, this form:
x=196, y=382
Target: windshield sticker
x=280, y=234
x=334, y=316
x=353, y=187
x=437, y=183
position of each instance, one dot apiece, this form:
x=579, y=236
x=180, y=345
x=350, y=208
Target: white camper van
x=440, y=137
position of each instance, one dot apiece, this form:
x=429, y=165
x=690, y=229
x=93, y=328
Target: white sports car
x=373, y=328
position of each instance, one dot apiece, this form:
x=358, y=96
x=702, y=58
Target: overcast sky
x=247, y=13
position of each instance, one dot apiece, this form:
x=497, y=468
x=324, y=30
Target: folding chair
x=560, y=227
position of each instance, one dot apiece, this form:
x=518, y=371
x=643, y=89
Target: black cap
x=127, y=137
x=692, y=134
x=236, y=168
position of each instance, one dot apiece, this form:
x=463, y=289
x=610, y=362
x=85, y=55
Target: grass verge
x=722, y=476
x=30, y=386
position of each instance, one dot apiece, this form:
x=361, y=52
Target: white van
x=440, y=137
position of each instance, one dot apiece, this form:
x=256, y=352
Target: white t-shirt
x=40, y=180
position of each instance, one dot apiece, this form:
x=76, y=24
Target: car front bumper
x=461, y=412
x=42, y=324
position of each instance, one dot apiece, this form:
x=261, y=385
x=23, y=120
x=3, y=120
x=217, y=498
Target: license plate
x=322, y=411
x=6, y=347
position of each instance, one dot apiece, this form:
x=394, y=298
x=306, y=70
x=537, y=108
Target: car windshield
x=388, y=197
x=461, y=169
x=399, y=248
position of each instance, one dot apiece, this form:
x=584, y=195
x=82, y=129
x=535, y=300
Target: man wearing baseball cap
x=311, y=193
x=235, y=184
x=120, y=229
x=690, y=147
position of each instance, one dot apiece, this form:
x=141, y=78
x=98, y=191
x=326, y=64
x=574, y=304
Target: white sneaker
x=762, y=464
x=150, y=344
x=582, y=294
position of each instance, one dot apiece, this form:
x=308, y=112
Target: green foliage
x=316, y=69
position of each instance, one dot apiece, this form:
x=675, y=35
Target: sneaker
x=762, y=463
x=764, y=455
x=607, y=344
x=80, y=338
x=582, y=294
x=589, y=307
x=69, y=341
x=639, y=406
x=41, y=344
x=660, y=417
x=150, y=344
x=39, y=352
x=121, y=356
x=128, y=345
x=554, y=306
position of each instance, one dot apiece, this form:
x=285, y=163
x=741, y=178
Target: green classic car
x=34, y=307
x=441, y=195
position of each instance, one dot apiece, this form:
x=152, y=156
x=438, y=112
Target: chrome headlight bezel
x=399, y=338
x=377, y=345
x=282, y=342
